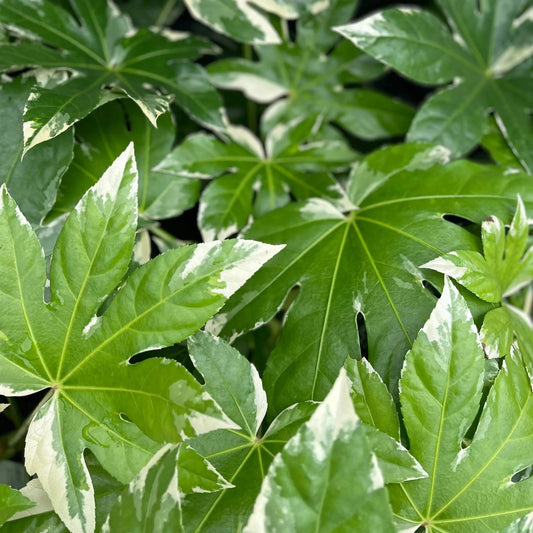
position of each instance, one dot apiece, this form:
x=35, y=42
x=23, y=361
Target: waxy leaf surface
x=152, y=501
x=32, y=181
x=364, y=261
x=290, y=75
x=120, y=411
x=484, y=47
x=471, y=484
x=505, y=265
x=105, y=58
x=286, y=163
x=241, y=455
x=326, y=477
x=103, y=135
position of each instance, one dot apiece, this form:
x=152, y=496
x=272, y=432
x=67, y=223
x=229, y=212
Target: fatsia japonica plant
x=265, y=266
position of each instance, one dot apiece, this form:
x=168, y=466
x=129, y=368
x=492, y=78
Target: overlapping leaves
x=104, y=58
x=121, y=412
x=242, y=455
x=290, y=73
x=102, y=136
x=363, y=262
x=287, y=163
x=34, y=172
x=472, y=483
x=485, y=50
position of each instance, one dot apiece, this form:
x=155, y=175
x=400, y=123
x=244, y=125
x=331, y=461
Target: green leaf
x=308, y=76
x=471, y=485
x=496, y=333
x=11, y=502
x=375, y=407
x=361, y=262
x=103, y=135
x=240, y=455
x=288, y=162
x=494, y=142
x=120, y=411
x=34, y=180
x=153, y=499
x=504, y=268
x=325, y=478
x=484, y=50
x=106, y=58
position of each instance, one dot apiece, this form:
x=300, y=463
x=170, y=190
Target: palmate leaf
x=241, y=455
x=291, y=71
x=485, y=50
x=103, y=51
x=365, y=261
x=287, y=163
x=120, y=411
x=38, y=172
x=470, y=487
x=326, y=477
x=505, y=265
x=102, y=136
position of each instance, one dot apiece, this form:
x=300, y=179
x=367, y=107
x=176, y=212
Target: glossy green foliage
x=69, y=346
x=364, y=261
x=308, y=74
x=472, y=483
x=484, y=48
x=98, y=56
x=288, y=162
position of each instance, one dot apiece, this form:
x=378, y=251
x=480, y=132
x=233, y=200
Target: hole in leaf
x=361, y=332
x=523, y=474
x=458, y=220
x=431, y=288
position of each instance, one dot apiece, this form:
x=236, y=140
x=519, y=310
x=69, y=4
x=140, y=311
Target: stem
x=164, y=13
x=251, y=106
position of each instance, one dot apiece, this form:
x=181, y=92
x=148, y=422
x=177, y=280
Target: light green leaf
x=41, y=170
x=361, y=262
x=470, y=485
x=106, y=58
x=11, y=502
x=153, y=499
x=371, y=398
x=494, y=142
x=103, y=136
x=242, y=456
x=289, y=161
x=325, y=478
x=496, y=333
x=504, y=268
x=120, y=411
x=484, y=49
x=375, y=407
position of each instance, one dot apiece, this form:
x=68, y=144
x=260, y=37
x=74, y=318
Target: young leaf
x=363, y=262
x=32, y=181
x=311, y=73
x=103, y=135
x=483, y=50
x=152, y=501
x=287, y=163
x=11, y=502
x=325, y=478
x=505, y=265
x=470, y=487
x=103, y=51
x=99, y=401
x=242, y=456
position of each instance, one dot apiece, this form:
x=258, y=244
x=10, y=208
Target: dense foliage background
x=359, y=174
